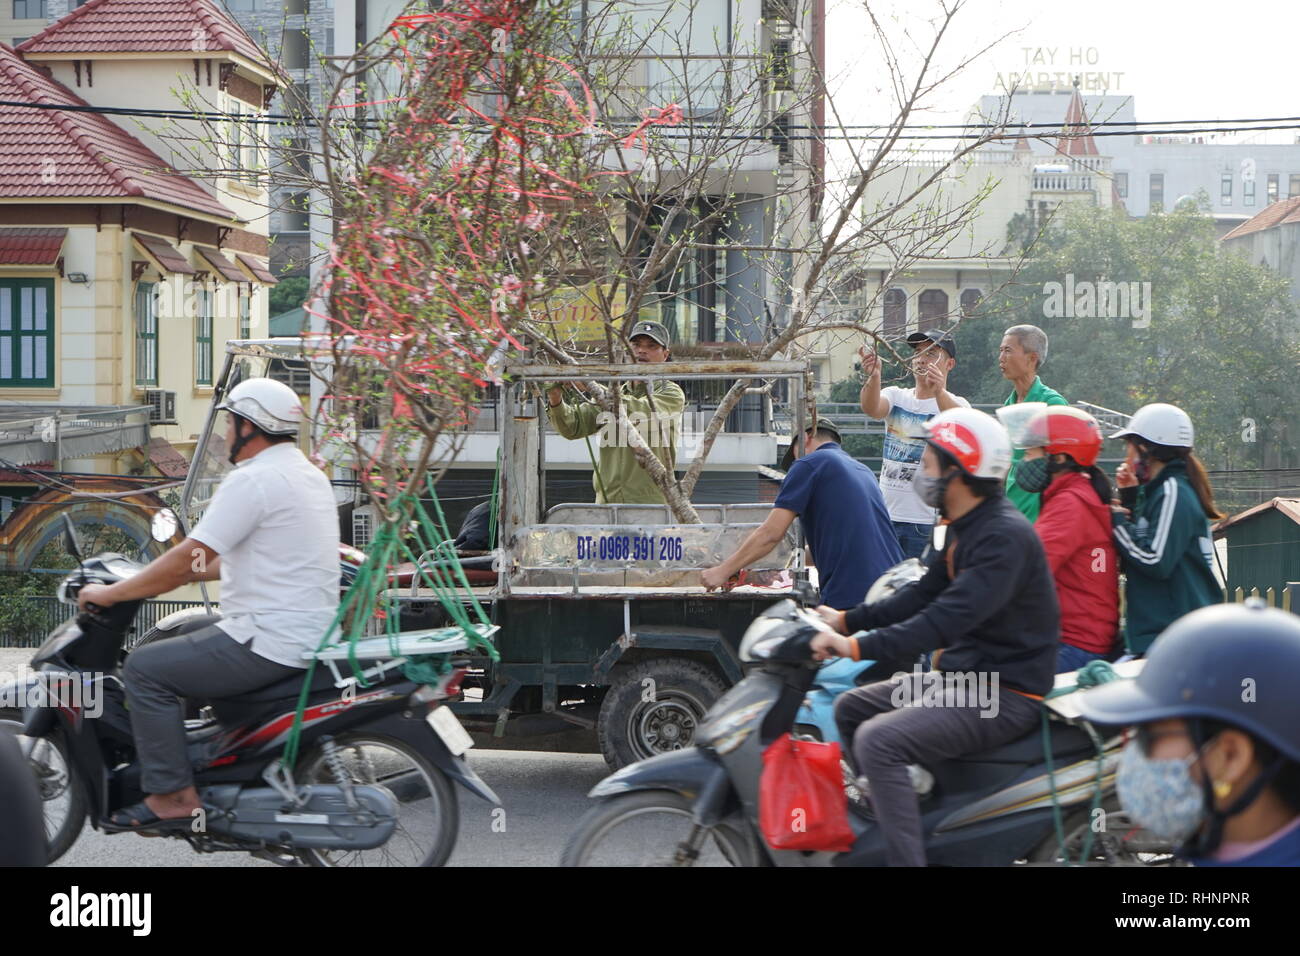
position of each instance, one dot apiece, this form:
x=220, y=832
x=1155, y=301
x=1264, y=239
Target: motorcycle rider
x=22, y=826
x=1216, y=758
x=270, y=534
x=1166, y=546
x=987, y=608
x=1060, y=446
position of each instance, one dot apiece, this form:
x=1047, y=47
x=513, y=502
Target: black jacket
x=996, y=613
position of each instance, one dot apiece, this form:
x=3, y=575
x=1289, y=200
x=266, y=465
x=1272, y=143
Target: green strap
x=365, y=601
x=1090, y=675
x=596, y=468
x=492, y=508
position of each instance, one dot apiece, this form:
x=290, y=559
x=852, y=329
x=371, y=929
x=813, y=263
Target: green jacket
x=1166, y=553
x=619, y=474
x=1028, y=502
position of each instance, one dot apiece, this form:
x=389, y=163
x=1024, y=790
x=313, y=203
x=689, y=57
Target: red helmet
x=1063, y=430
x=976, y=440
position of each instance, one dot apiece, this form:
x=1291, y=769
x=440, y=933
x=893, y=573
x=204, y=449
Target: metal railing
x=31, y=617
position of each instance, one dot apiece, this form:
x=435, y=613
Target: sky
x=1179, y=60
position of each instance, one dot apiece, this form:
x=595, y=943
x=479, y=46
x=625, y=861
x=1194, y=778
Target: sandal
x=138, y=817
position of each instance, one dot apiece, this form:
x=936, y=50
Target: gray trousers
x=204, y=664
x=882, y=738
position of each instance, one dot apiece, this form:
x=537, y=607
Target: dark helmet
x=1235, y=663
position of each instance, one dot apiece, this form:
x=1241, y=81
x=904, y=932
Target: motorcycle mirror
x=806, y=593
x=70, y=539
x=163, y=526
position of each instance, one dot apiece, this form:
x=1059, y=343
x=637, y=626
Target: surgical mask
x=1033, y=474
x=929, y=489
x=1160, y=795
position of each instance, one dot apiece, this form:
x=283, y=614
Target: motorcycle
x=700, y=806
x=372, y=784
x=816, y=716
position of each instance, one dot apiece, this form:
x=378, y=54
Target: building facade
x=120, y=277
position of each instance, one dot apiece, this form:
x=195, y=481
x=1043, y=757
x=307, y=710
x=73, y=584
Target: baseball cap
x=941, y=339
x=823, y=424
x=652, y=329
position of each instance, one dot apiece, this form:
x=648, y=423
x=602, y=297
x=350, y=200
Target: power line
x=1058, y=130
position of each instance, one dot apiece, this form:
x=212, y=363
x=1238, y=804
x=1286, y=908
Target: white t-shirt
x=902, y=454
x=275, y=523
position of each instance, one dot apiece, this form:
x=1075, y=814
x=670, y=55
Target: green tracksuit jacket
x=1167, y=554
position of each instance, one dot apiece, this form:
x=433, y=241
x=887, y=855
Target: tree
x=497, y=169
x=290, y=293
x=1197, y=326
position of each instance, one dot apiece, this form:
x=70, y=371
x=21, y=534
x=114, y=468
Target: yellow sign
x=575, y=314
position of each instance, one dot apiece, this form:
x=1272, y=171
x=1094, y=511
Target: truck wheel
x=654, y=707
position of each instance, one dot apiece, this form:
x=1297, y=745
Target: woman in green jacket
x=1162, y=529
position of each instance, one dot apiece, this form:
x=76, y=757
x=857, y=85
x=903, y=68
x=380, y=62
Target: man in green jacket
x=1021, y=354
x=619, y=477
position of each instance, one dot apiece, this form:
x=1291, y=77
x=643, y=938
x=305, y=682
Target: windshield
x=211, y=464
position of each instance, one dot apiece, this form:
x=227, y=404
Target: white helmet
x=977, y=441
x=270, y=405
x=1160, y=424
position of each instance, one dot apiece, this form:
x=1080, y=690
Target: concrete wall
x=1275, y=248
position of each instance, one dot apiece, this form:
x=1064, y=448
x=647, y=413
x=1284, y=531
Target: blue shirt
x=844, y=520
x=1282, y=851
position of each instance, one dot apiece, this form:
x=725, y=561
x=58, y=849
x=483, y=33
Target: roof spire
x=1076, y=138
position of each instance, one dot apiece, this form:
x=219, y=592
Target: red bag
x=801, y=800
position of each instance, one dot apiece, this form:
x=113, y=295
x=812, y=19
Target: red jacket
x=1075, y=528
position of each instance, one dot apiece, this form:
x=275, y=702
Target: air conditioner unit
x=162, y=406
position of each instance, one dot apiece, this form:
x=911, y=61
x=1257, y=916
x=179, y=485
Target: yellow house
x=121, y=277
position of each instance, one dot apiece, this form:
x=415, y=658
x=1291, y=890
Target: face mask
x=1160, y=795
x=1033, y=475
x=928, y=489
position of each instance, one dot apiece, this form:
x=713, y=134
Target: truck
x=601, y=621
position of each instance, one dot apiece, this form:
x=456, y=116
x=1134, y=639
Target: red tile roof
x=164, y=255
x=166, y=458
x=257, y=270
x=51, y=153
x=145, y=26
x=31, y=247
x=1080, y=142
x=219, y=262
x=1275, y=214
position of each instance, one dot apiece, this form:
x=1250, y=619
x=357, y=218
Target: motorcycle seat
x=1067, y=741
x=321, y=680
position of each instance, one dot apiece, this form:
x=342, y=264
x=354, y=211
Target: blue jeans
x=912, y=538
x=1070, y=658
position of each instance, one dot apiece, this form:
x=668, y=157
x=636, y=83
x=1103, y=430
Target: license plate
x=445, y=724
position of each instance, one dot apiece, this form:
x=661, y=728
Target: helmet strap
x=241, y=438
x=947, y=475
x=1208, y=838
